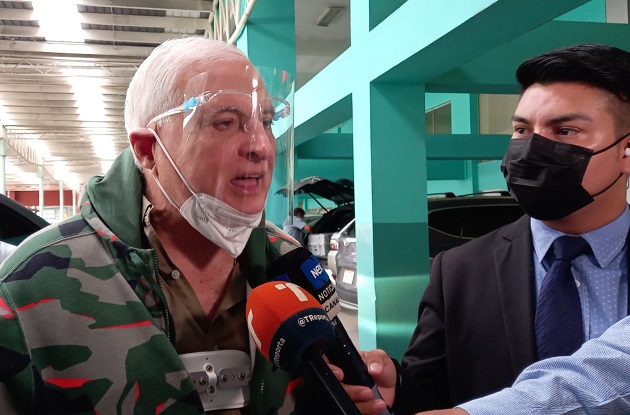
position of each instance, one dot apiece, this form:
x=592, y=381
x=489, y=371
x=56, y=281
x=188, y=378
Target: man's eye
x=268, y=123
x=223, y=124
x=520, y=130
x=565, y=131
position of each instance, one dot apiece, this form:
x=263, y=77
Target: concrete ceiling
x=39, y=104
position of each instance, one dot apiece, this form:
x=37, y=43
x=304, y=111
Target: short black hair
x=298, y=211
x=600, y=66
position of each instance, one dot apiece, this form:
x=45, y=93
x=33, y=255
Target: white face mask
x=220, y=223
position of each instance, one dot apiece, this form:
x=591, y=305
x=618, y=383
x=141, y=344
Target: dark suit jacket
x=475, y=330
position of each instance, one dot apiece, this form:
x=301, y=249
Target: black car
x=453, y=221
x=18, y=222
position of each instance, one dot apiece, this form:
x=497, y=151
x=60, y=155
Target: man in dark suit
x=482, y=318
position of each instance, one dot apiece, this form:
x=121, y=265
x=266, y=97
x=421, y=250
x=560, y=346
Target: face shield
x=228, y=112
x=221, y=143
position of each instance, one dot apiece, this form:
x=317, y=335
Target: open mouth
x=247, y=180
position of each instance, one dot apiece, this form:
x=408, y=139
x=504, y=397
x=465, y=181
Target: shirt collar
x=613, y=235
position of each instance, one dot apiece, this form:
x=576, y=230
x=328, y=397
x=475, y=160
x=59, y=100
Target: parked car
x=17, y=222
x=452, y=221
x=341, y=193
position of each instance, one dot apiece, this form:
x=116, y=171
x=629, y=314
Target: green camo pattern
x=84, y=324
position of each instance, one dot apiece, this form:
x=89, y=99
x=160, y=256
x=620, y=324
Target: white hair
x=156, y=87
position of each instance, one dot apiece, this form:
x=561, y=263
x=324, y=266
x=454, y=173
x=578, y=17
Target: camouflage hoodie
x=84, y=324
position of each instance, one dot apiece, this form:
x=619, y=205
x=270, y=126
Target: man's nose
x=258, y=143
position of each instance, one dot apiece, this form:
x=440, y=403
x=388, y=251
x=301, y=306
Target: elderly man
x=110, y=310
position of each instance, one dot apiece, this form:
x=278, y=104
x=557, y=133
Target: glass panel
x=495, y=113
x=442, y=119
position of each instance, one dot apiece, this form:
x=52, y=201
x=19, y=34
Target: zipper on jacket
x=156, y=272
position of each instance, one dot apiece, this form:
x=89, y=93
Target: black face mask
x=545, y=176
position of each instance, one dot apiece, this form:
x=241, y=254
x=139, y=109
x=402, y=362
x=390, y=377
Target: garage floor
x=349, y=319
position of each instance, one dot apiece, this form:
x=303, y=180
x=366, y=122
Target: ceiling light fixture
x=59, y=20
x=329, y=15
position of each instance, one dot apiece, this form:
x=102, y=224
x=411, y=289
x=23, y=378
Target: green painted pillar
x=391, y=212
x=269, y=41
x=474, y=129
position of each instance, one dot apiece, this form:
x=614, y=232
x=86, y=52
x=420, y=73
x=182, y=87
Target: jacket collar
x=117, y=199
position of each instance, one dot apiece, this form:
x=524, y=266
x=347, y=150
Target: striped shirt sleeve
x=594, y=380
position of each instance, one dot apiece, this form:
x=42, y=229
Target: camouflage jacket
x=84, y=324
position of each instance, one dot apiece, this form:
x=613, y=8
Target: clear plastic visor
x=223, y=137
x=229, y=111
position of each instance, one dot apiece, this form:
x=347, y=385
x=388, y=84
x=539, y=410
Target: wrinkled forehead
x=238, y=76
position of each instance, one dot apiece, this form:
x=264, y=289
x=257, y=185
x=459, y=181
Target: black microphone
x=302, y=268
x=291, y=329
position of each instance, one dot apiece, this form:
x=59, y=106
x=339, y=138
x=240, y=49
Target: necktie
x=558, y=321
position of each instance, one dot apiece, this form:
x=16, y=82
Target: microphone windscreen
x=301, y=267
x=285, y=322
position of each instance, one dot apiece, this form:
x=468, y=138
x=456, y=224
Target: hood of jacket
x=117, y=199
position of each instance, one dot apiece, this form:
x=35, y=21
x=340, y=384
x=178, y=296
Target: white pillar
x=41, y=190
x=3, y=160
x=60, y=200
x=617, y=11
x=74, y=202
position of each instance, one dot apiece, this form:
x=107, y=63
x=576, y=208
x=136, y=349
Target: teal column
x=464, y=120
x=391, y=212
x=269, y=41
x=474, y=129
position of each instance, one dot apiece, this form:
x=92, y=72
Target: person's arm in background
x=595, y=379
x=302, y=225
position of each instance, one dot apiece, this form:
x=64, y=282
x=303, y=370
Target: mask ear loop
x=171, y=201
x=610, y=185
x=612, y=145
x=170, y=159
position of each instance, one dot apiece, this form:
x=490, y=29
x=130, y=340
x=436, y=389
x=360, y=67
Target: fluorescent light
x=106, y=164
x=41, y=148
x=88, y=95
x=58, y=20
x=329, y=15
x=104, y=148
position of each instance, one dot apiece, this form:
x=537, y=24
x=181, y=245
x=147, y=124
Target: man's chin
x=249, y=207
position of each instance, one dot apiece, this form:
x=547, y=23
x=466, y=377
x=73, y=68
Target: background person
x=295, y=226
x=99, y=311
x=480, y=318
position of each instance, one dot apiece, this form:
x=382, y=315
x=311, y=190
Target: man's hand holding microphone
x=382, y=369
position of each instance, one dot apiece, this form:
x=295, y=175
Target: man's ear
x=142, y=141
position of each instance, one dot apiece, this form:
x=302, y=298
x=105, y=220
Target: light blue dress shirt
x=293, y=226
x=594, y=380
x=601, y=277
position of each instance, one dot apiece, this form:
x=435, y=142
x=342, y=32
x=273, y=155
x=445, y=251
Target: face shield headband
x=247, y=109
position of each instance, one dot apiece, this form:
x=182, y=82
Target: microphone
x=302, y=268
x=291, y=329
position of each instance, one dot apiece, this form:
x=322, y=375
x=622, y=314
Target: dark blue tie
x=558, y=323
